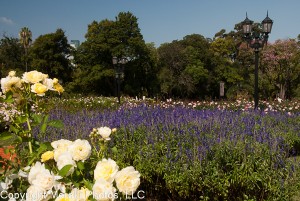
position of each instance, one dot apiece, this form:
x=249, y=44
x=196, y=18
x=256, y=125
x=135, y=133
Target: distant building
x=75, y=43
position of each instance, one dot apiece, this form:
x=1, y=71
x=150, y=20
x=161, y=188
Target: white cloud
x=7, y=21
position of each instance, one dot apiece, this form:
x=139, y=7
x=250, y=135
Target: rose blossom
x=103, y=190
x=80, y=195
x=128, y=180
x=39, y=89
x=60, y=146
x=40, y=176
x=8, y=83
x=34, y=77
x=104, y=132
x=66, y=159
x=80, y=150
x=47, y=156
x=106, y=169
x=36, y=193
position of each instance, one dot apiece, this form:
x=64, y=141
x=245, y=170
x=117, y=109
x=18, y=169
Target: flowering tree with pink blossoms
x=280, y=65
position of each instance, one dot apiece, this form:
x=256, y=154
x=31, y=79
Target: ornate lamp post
x=119, y=64
x=257, y=40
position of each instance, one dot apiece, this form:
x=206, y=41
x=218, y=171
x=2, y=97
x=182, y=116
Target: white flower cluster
x=45, y=185
x=39, y=83
x=102, y=133
x=8, y=112
x=67, y=152
x=42, y=182
x=106, y=172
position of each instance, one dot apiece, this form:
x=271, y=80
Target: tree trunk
x=282, y=91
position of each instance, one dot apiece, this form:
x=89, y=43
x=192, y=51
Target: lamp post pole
x=119, y=64
x=257, y=40
x=256, y=80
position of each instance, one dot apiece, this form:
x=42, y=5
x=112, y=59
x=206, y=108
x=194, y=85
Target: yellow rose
x=34, y=77
x=57, y=87
x=55, y=81
x=47, y=156
x=114, y=130
x=39, y=89
x=65, y=197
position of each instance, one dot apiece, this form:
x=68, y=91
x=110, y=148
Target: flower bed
x=167, y=150
x=185, y=153
x=59, y=169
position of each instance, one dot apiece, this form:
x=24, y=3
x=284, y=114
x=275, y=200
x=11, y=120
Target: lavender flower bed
x=167, y=143
x=185, y=123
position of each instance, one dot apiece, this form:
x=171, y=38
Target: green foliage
x=281, y=64
x=122, y=38
x=10, y=55
x=49, y=54
x=183, y=66
x=244, y=170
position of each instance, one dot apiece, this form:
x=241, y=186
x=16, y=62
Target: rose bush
x=59, y=170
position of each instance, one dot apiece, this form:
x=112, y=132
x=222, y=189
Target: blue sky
x=160, y=21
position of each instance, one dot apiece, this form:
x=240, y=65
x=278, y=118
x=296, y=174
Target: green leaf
x=42, y=148
x=43, y=128
x=56, y=123
x=13, y=129
x=9, y=97
x=37, y=118
x=88, y=184
x=7, y=138
x=21, y=119
x=114, y=150
x=80, y=165
x=64, y=171
x=33, y=158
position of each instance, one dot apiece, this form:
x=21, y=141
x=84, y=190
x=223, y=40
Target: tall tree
x=49, y=54
x=10, y=55
x=281, y=64
x=25, y=39
x=105, y=39
x=225, y=69
x=184, y=69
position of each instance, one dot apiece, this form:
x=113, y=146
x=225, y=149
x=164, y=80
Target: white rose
x=62, y=143
x=104, y=132
x=60, y=146
x=103, y=190
x=48, y=83
x=127, y=180
x=40, y=176
x=33, y=77
x=80, y=150
x=66, y=159
x=35, y=170
x=80, y=195
x=106, y=169
x=8, y=83
x=45, y=180
x=12, y=73
x=36, y=193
